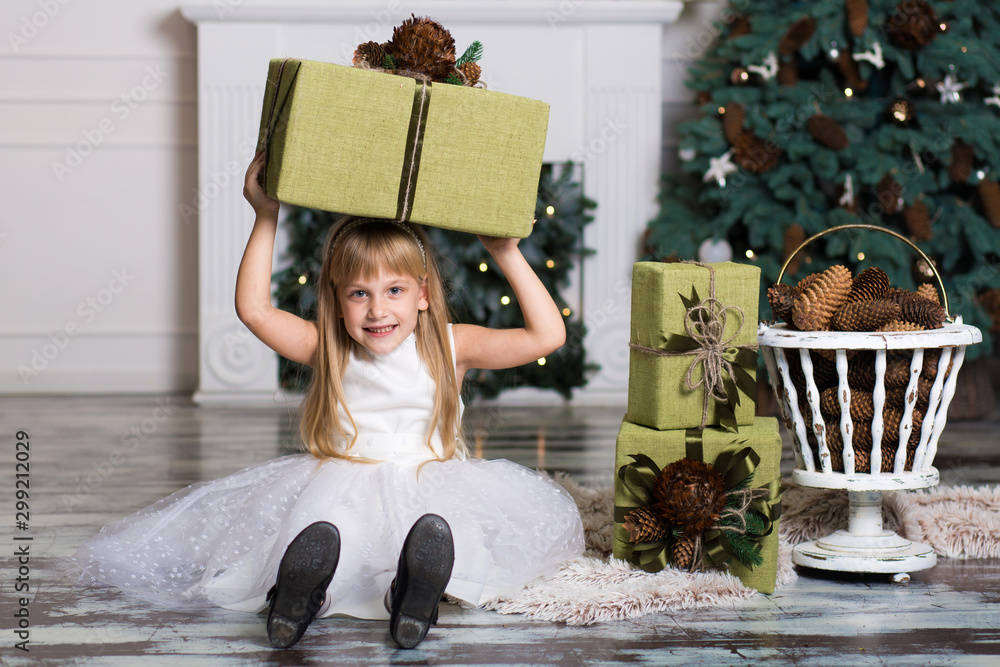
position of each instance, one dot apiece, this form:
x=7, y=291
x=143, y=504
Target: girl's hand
x=498, y=246
x=254, y=193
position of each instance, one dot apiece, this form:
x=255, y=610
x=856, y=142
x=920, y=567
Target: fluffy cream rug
x=958, y=522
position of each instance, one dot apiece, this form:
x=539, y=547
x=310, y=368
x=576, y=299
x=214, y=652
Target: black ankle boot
x=424, y=570
x=305, y=571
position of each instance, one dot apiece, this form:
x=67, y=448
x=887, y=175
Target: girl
x=386, y=511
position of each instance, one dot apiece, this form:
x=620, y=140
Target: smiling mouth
x=381, y=331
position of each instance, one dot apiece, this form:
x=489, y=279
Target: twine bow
x=724, y=367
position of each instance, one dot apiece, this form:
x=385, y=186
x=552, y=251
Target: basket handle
x=944, y=294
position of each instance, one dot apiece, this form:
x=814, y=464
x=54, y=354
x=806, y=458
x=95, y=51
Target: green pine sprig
x=472, y=54
x=745, y=549
x=388, y=62
x=453, y=79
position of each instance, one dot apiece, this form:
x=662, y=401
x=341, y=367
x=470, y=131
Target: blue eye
x=395, y=290
x=357, y=294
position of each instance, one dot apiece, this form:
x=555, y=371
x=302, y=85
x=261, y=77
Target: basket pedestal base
x=865, y=546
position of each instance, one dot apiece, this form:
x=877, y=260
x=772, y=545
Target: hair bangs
x=381, y=246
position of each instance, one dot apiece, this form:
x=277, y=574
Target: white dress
x=219, y=542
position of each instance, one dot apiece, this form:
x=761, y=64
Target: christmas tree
x=817, y=114
x=478, y=293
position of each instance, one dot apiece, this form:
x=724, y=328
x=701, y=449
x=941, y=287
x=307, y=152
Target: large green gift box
x=378, y=145
x=756, y=450
x=663, y=349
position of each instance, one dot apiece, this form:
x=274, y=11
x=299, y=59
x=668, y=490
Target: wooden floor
x=96, y=459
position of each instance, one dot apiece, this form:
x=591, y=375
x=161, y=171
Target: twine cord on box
x=271, y=120
x=705, y=323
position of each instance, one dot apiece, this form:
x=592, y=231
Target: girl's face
x=381, y=312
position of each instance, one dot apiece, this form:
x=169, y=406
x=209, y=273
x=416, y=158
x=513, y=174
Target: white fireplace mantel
x=597, y=63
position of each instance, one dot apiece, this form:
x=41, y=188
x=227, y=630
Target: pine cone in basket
x=899, y=326
x=690, y=494
x=962, y=157
x=423, y=46
x=797, y=35
x=913, y=25
x=683, y=550
x=929, y=292
x=862, y=406
x=869, y=285
x=644, y=524
x=914, y=308
x=865, y=315
x=817, y=303
x=861, y=372
x=781, y=297
x=857, y=16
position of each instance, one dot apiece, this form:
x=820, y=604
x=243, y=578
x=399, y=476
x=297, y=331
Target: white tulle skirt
x=219, y=543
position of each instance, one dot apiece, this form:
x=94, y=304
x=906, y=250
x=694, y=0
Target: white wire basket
x=866, y=458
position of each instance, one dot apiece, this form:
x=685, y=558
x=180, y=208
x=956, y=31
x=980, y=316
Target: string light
x=722, y=110
x=749, y=254
x=848, y=92
x=861, y=256
x=550, y=211
x=566, y=312
x=505, y=300
x=483, y=267
x=302, y=280
x=541, y=362
x=550, y=264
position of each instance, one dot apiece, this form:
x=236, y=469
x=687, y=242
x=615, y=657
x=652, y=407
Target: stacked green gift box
x=697, y=475
x=379, y=145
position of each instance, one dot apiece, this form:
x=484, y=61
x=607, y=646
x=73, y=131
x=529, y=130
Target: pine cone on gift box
x=962, y=157
x=828, y=132
x=690, y=495
x=989, y=192
x=423, y=46
x=918, y=220
x=797, y=35
x=371, y=54
x=913, y=25
x=644, y=524
x=857, y=16
x=817, y=303
x=929, y=292
x=865, y=315
x=781, y=297
x=682, y=552
x=869, y=285
x=471, y=71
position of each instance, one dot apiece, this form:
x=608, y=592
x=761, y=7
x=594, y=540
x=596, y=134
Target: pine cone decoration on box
x=371, y=54
x=899, y=326
x=788, y=72
x=913, y=25
x=781, y=297
x=817, y=303
x=423, y=46
x=989, y=192
x=683, y=551
x=857, y=16
x=918, y=220
x=889, y=194
x=471, y=71
x=849, y=69
x=732, y=122
x=797, y=35
x=865, y=315
x=794, y=237
x=828, y=132
x=929, y=292
x=869, y=285
x=962, y=157
x=644, y=524
x=690, y=494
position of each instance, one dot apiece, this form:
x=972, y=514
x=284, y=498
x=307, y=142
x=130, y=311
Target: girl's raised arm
x=543, y=332
x=289, y=335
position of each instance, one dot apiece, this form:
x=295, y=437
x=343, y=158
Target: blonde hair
x=353, y=251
